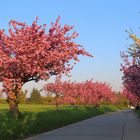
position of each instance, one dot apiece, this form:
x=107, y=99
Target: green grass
x=137, y=112
x=36, y=119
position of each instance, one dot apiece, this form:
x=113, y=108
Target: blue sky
x=101, y=25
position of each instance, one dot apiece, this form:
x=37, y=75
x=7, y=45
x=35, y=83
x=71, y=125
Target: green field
x=36, y=119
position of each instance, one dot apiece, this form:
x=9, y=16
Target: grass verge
x=137, y=111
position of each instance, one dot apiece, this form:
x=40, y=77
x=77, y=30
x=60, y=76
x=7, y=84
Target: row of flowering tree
x=131, y=71
x=34, y=52
x=86, y=93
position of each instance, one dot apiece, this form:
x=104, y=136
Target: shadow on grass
x=107, y=109
x=137, y=111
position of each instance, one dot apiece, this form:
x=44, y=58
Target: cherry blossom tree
x=131, y=69
x=34, y=52
x=133, y=99
x=56, y=89
x=73, y=91
x=95, y=93
x=87, y=93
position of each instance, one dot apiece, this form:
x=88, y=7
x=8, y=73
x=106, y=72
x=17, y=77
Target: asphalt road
x=121, y=125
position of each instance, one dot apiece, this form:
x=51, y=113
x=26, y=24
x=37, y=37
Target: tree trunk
x=13, y=108
x=57, y=106
x=97, y=105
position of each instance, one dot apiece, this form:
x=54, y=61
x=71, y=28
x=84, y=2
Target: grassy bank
x=41, y=118
x=137, y=111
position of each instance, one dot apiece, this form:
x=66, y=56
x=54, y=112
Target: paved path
x=122, y=125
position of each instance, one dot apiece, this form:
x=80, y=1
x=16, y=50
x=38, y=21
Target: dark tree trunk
x=57, y=106
x=13, y=108
x=97, y=105
x=57, y=102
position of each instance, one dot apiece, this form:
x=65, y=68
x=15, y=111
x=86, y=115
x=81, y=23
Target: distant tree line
x=50, y=99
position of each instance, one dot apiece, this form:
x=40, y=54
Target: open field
x=40, y=118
